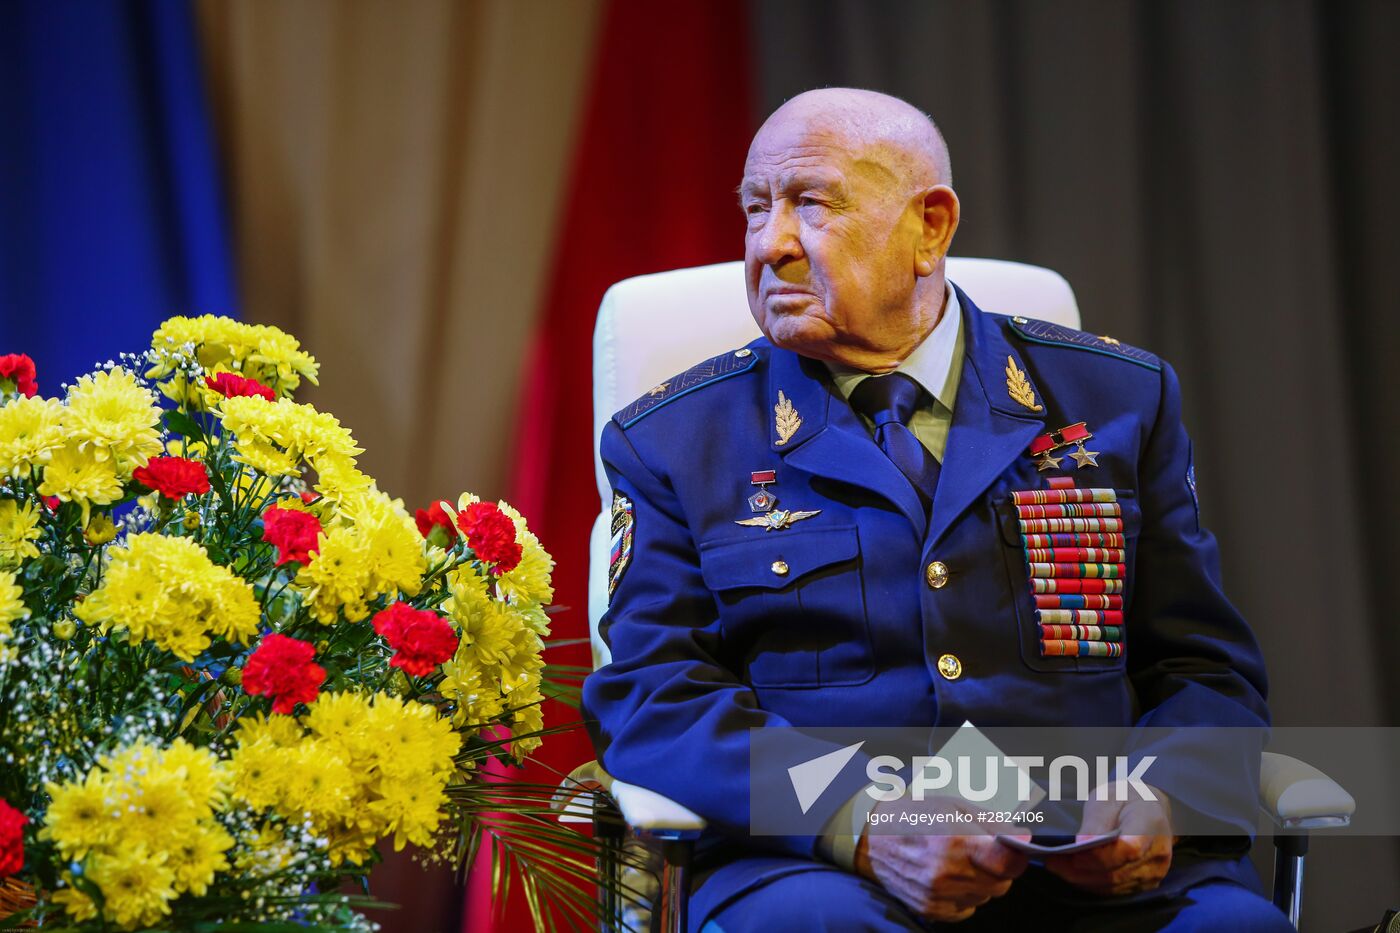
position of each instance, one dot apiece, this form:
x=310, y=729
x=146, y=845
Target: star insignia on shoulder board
x=778, y=519
x=1111, y=341
x=657, y=390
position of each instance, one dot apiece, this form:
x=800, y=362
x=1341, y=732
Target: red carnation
x=433, y=518
x=293, y=532
x=491, y=535
x=12, y=824
x=19, y=369
x=282, y=668
x=173, y=477
x=421, y=639
x=232, y=385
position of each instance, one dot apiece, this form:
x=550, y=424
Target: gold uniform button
x=950, y=667
x=742, y=353
x=937, y=575
x=780, y=567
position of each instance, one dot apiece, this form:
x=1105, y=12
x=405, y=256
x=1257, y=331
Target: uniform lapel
x=990, y=430
x=831, y=441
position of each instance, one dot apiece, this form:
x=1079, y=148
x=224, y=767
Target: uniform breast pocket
x=1069, y=558
x=792, y=606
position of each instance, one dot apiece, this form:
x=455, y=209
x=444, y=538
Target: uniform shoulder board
x=715, y=369
x=1056, y=335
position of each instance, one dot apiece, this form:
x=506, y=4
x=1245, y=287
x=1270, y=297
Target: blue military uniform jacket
x=716, y=628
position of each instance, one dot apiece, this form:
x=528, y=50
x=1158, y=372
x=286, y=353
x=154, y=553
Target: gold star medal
x=1042, y=448
x=1084, y=457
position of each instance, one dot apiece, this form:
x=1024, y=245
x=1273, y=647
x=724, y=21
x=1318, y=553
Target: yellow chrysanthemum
x=410, y=811
x=397, y=556
x=476, y=697
x=276, y=437
x=522, y=658
x=340, y=718
x=75, y=474
x=278, y=360
x=213, y=339
x=258, y=769
x=114, y=417
x=142, y=823
x=258, y=351
x=153, y=806
x=371, y=767
x=414, y=739
x=337, y=478
x=279, y=731
x=320, y=782
x=137, y=885
x=79, y=817
x=77, y=904
x=527, y=720
x=201, y=770
x=339, y=579
x=488, y=627
x=12, y=607
x=199, y=855
x=167, y=590
x=31, y=429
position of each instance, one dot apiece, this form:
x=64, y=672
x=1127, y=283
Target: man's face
x=829, y=253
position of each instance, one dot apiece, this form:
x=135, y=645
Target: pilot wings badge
x=778, y=519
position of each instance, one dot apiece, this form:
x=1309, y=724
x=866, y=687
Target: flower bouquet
x=230, y=665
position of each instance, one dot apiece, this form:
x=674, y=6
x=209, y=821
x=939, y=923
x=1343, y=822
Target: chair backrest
x=652, y=327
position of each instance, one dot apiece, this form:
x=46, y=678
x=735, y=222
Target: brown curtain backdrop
x=393, y=171
x=1217, y=182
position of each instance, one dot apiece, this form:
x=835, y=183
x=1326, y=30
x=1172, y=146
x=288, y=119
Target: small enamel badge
x=763, y=500
x=1019, y=387
x=788, y=420
x=1042, y=448
x=777, y=520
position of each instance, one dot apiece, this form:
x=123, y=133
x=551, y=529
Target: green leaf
x=177, y=422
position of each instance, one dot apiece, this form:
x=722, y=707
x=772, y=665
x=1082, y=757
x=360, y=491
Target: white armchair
x=654, y=326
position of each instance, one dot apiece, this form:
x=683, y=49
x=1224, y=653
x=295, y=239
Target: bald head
x=893, y=130
x=850, y=213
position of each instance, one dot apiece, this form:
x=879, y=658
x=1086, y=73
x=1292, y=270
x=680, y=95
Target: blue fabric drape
x=111, y=213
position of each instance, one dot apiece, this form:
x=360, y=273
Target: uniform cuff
x=842, y=832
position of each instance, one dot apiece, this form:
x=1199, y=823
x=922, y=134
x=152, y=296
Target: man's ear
x=939, y=213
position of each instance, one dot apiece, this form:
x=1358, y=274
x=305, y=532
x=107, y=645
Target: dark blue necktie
x=889, y=401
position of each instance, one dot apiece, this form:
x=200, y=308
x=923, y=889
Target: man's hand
x=1136, y=861
x=938, y=877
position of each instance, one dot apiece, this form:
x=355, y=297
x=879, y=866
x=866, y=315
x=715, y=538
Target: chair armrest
x=1298, y=796
x=644, y=810
x=587, y=779
x=660, y=817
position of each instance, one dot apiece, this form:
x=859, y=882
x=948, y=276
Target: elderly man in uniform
x=828, y=527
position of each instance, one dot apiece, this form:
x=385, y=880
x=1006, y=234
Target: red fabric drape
x=661, y=143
